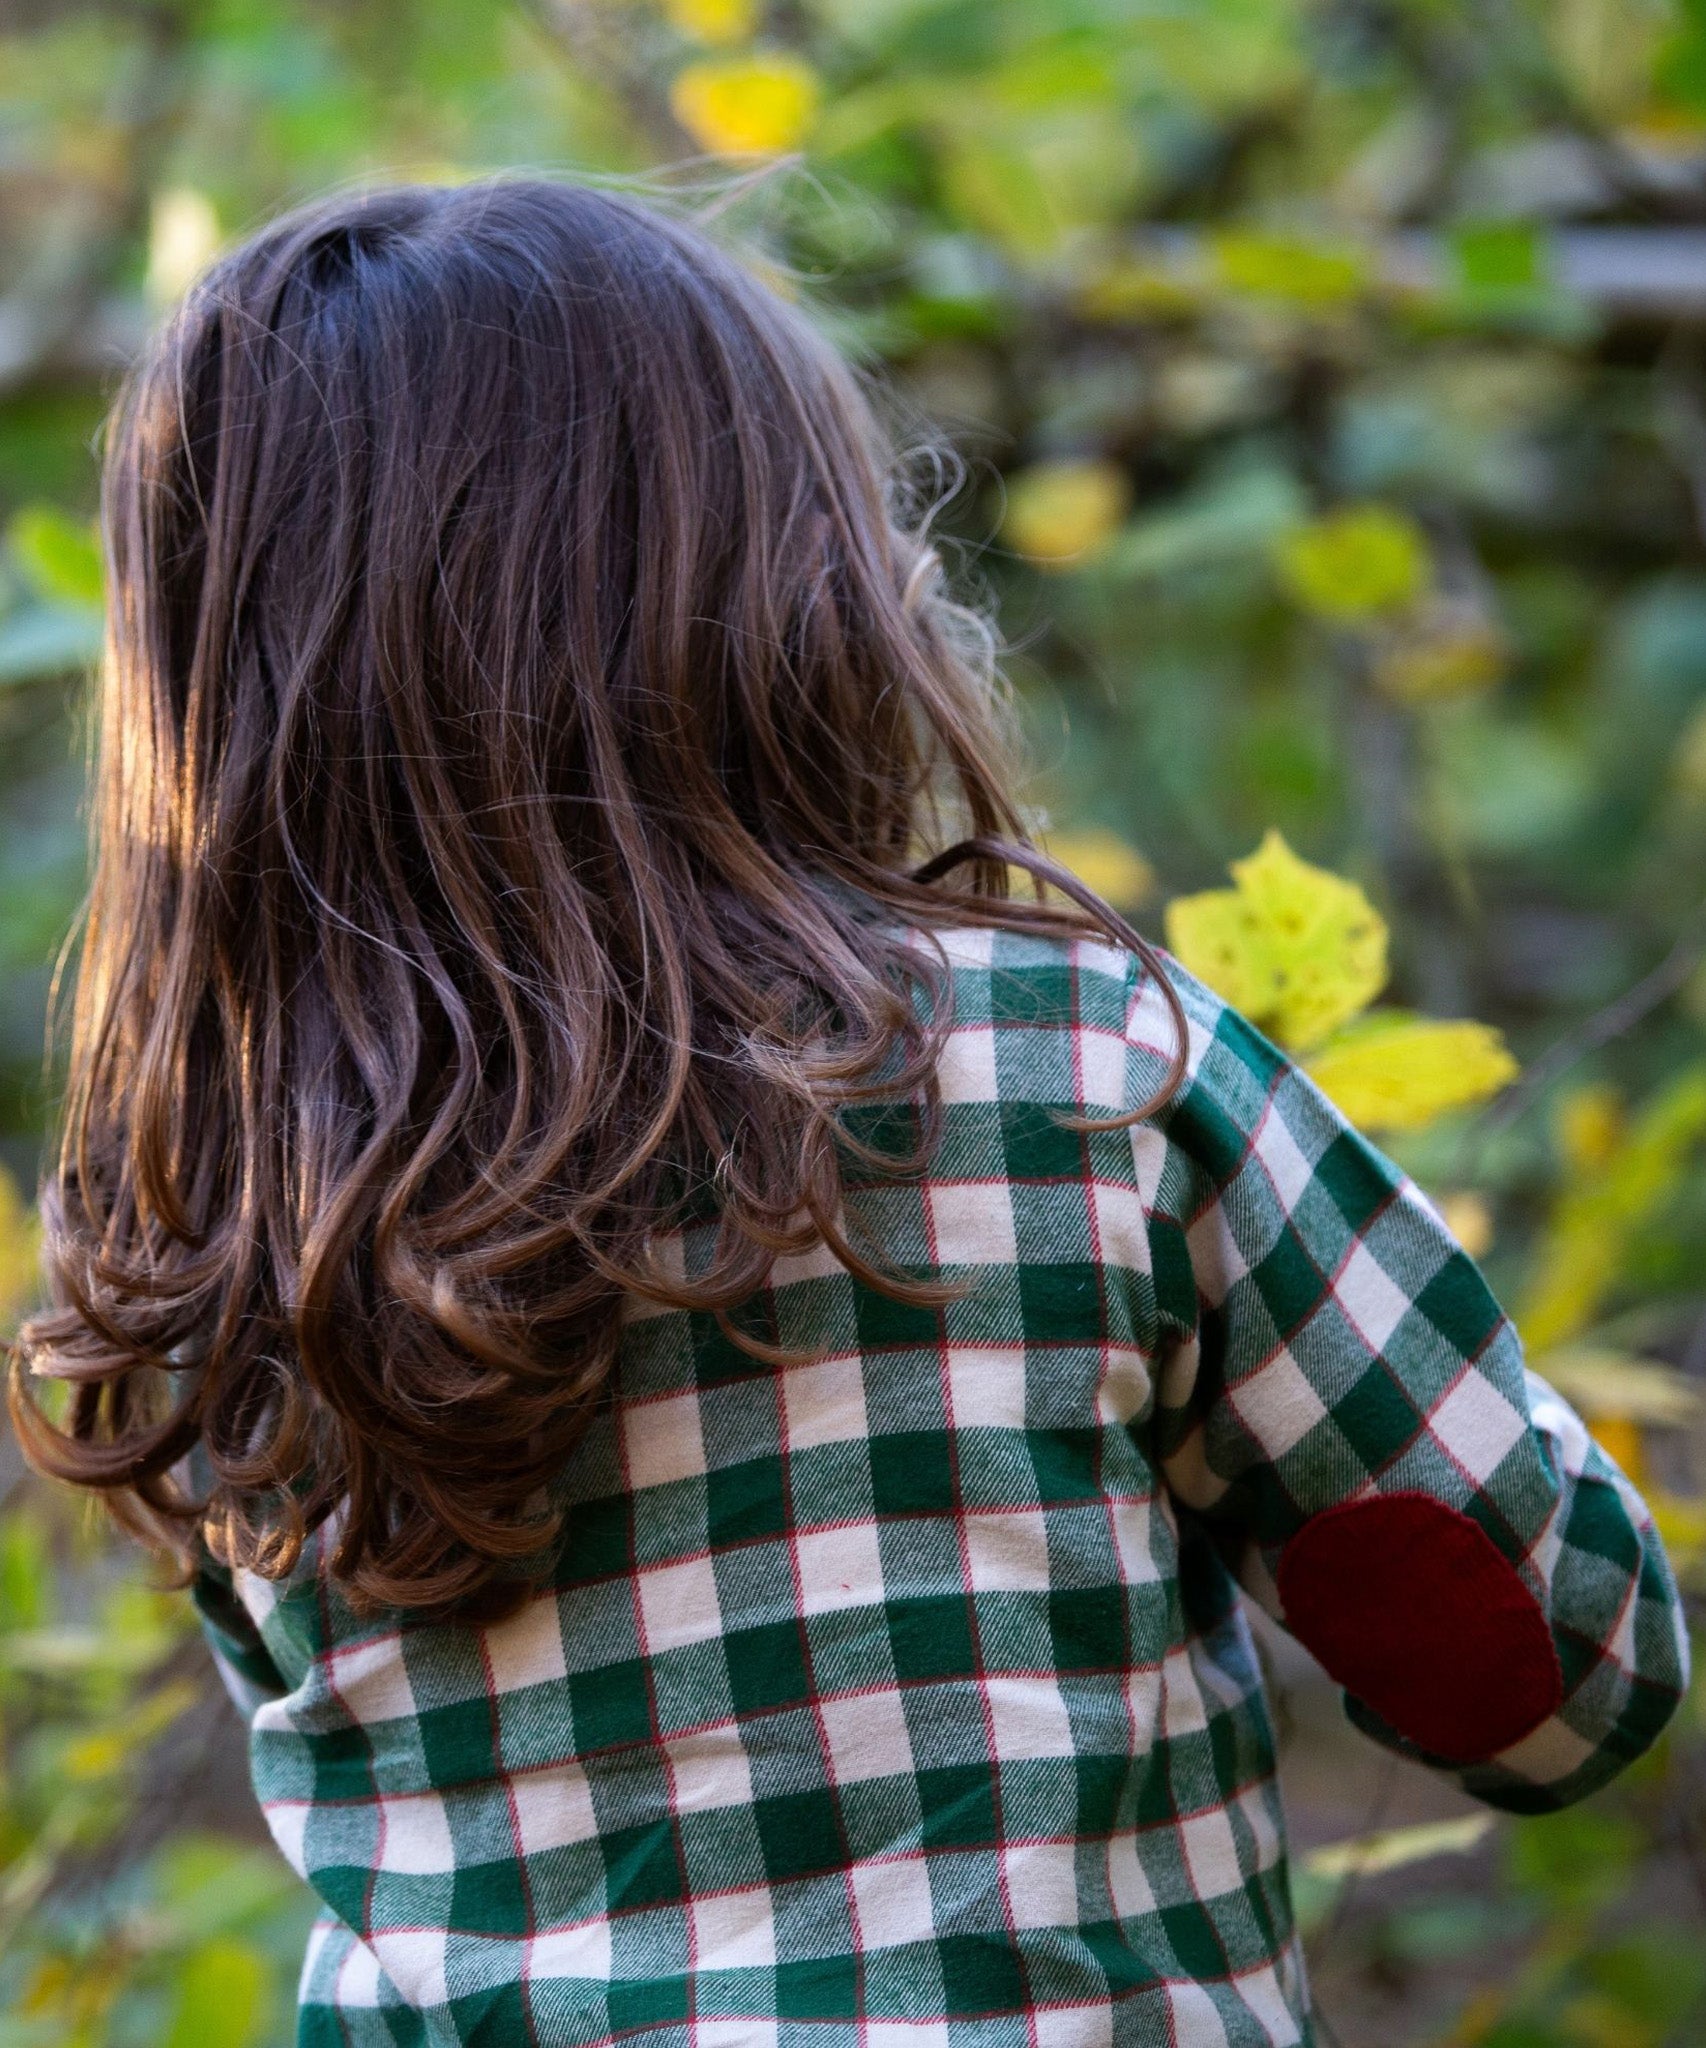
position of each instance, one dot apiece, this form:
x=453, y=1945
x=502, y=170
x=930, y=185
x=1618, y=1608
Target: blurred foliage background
x=1327, y=386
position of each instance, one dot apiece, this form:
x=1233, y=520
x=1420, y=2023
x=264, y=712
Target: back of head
x=522, y=711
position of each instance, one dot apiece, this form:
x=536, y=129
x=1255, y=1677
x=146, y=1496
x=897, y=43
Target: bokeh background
x=1323, y=385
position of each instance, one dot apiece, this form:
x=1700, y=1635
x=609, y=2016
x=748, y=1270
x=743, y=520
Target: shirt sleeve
x=1343, y=1401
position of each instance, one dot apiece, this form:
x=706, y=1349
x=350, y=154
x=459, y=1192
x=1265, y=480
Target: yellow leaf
x=1105, y=863
x=1470, y=1221
x=1393, y=1848
x=1601, y=1211
x=1590, y=1126
x=1609, y=1385
x=712, y=21
x=1681, y=1522
x=1298, y=949
x=1060, y=513
x=1620, y=1439
x=746, y=106
x=1393, y=1071
x=1280, y=267
x=1356, y=564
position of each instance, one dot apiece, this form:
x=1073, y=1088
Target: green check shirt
x=901, y=1698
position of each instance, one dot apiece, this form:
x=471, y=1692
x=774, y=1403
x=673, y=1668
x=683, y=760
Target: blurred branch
x=1617, y=1018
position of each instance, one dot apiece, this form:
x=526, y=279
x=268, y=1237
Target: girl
x=713, y=1366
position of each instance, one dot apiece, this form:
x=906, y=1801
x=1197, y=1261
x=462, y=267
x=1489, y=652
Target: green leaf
x=1498, y=256
x=1356, y=564
x=223, y=1993
x=61, y=556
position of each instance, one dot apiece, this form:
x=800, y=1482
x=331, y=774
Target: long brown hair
x=526, y=706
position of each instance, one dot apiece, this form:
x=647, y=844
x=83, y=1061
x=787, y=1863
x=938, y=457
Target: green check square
x=980, y=1975
x=1377, y=1418
x=610, y=1705
x=799, y=1833
x=343, y=1765
x=818, y=1988
x=641, y=1866
x=597, y=1540
x=1088, y=1625
x=887, y=1325
x=1067, y=1464
x=639, y=2005
x=912, y=1473
x=1289, y=1282
x=1358, y=1181
x=745, y=1501
x=1119, y=1960
x=1460, y=1306
x=1599, y=1525
x=932, y=1638
x=489, y=1898
x=1062, y=1303
x=958, y=1807
x=459, y=1742
x=1194, y=1940
x=1035, y=1146
x=767, y=1667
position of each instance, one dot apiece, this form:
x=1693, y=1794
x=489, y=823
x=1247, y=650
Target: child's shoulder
x=1064, y=1019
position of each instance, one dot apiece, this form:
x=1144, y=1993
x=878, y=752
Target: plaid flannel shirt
x=901, y=1697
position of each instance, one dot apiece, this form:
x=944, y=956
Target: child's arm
x=1343, y=1398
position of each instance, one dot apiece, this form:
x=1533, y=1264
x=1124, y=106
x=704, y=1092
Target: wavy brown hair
x=527, y=705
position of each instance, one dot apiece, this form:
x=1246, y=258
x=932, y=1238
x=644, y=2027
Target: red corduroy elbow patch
x=1411, y=1606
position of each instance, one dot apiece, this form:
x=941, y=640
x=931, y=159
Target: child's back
x=893, y=1695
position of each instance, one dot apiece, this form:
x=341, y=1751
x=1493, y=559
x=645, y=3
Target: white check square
x=971, y=1223
x=1477, y=1425
x=1042, y=1883
x=987, y=1387
x=733, y=1931
x=552, y=1808
x=1028, y=1718
x=1211, y=1854
x=1007, y=1552
x=414, y=1836
x=678, y=1604
x=709, y=1769
x=527, y=1648
x=893, y=1903
x=663, y=1440
x=866, y=1736
x=839, y=1568
x=1372, y=1299
x=582, y=1951
x=1277, y=1405
x=371, y=1680
x=966, y=1069
x=824, y=1403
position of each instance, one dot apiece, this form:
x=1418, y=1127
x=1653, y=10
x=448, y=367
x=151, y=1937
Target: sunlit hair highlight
x=527, y=706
